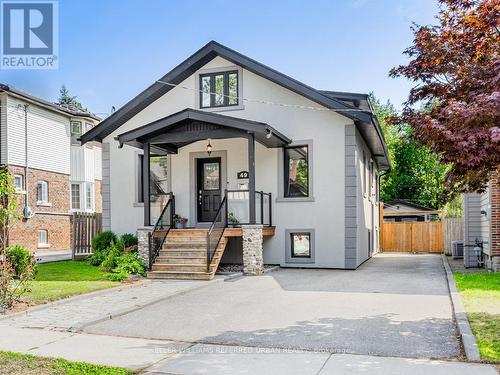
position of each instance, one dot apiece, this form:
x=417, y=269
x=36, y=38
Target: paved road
x=394, y=305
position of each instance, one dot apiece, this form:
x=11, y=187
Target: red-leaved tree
x=455, y=105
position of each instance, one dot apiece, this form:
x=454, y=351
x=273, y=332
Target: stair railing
x=160, y=231
x=216, y=231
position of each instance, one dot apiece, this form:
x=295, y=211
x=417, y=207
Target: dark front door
x=208, y=188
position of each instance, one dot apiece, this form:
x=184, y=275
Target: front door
x=208, y=188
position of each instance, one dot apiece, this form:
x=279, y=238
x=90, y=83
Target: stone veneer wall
x=253, y=261
x=143, y=245
x=54, y=217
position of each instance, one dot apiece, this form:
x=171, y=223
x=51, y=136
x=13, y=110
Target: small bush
x=129, y=239
x=117, y=276
x=111, y=259
x=129, y=263
x=20, y=258
x=13, y=286
x=103, y=240
x=98, y=257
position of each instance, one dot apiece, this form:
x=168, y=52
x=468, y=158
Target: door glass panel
x=211, y=176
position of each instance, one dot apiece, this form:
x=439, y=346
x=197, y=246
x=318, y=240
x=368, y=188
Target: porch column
x=251, y=176
x=145, y=184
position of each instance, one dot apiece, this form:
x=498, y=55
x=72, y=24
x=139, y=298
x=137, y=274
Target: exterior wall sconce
x=209, y=147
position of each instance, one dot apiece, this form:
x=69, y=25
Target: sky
x=111, y=50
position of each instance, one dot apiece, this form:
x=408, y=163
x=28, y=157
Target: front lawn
x=15, y=363
x=58, y=280
x=481, y=296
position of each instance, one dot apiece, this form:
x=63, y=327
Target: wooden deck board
x=238, y=232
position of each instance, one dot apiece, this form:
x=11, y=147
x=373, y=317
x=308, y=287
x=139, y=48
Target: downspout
x=27, y=213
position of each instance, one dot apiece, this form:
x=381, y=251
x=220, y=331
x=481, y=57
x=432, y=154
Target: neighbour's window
x=42, y=192
x=300, y=245
x=76, y=131
x=43, y=237
x=18, y=182
x=219, y=89
x=75, y=196
x=370, y=177
x=88, y=126
x=364, y=173
x=89, y=195
x=296, y=171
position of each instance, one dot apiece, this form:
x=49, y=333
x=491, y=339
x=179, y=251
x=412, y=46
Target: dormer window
x=219, y=89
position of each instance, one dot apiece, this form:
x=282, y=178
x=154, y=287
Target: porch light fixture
x=269, y=133
x=209, y=147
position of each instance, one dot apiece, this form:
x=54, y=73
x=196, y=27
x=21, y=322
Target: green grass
x=15, y=363
x=58, y=280
x=481, y=296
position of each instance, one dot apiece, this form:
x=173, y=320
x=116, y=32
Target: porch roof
x=189, y=125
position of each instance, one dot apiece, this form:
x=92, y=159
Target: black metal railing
x=240, y=200
x=160, y=231
x=216, y=231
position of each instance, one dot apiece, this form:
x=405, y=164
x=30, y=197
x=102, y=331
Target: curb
x=73, y=298
x=468, y=339
x=80, y=327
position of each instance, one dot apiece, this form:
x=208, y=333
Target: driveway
x=393, y=305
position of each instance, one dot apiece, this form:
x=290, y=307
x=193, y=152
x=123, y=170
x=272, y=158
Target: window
x=364, y=173
x=18, y=182
x=88, y=126
x=300, y=245
x=219, y=89
x=42, y=192
x=158, y=180
x=43, y=237
x=89, y=196
x=76, y=131
x=75, y=196
x=296, y=170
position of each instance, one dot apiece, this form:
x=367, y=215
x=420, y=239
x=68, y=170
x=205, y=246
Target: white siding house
x=333, y=141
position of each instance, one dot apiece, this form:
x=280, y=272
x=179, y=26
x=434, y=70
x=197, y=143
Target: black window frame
x=286, y=172
x=225, y=91
x=292, y=245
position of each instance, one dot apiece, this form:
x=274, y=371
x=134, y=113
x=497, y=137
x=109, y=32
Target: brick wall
x=53, y=217
x=495, y=215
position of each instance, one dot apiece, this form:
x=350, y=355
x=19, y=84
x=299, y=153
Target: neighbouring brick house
x=482, y=221
x=54, y=174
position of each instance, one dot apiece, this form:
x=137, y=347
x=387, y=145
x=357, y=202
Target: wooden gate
x=412, y=237
x=84, y=227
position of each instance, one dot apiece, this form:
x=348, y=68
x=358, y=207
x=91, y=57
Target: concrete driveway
x=393, y=305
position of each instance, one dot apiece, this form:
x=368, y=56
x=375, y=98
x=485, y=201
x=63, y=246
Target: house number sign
x=242, y=175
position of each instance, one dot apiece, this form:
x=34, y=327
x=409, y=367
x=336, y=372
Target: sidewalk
x=167, y=357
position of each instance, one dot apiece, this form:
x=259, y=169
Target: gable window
x=18, y=182
x=219, y=89
x=75, y=197
x=43, y=240
x=76, y=131
x=42, y=192
x=296, y=168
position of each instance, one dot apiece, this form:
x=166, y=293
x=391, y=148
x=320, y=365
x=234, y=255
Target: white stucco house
x=264, y=168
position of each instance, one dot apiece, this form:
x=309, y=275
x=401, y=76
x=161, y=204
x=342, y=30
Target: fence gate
x=412, y=237
x=84, y=227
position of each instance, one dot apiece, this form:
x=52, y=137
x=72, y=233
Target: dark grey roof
x=68, y=109
x=190, y=125
x=363, y=119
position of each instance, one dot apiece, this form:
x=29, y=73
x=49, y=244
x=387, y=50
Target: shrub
x=114, y=252
x=103, y=240
x=117, y=276
x=98, y=257
x=20, y=258
x=13, y=286
x=129, y=239
x=129, y=263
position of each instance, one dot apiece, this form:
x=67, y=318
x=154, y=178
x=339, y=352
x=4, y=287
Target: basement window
x=19, y=182
x=299, y=245
x=43, y=238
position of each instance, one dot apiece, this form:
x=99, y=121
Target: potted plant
x=179, y=221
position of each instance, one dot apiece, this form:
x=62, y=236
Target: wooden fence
x=84, y=227
x=412, y=237
x=453, y=229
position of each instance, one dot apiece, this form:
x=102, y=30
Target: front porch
x=215, y=206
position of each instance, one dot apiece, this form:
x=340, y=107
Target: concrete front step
x=184, y=275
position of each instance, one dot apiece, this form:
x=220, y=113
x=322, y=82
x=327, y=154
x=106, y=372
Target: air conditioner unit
x=457, y=249
x=27, y=213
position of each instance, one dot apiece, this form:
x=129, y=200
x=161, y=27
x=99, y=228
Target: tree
x=66, y=99
x=456, y=65
x=416, y=173
x=8, y=205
